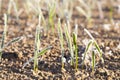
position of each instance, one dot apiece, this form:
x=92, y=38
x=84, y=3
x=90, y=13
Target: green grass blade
x=98, y=48
x=86, y=50
x=0, y=55
x=69, y=41
x=75, y=49
x=5, y=31
x=93, y=60
x=74, y=38
x=44, y=51
x=35, y=61
x=25, y=64
x=89, y=34
x=37, y=46
x=13, y=40
x=2, y=41
x=3, y=36
x=95, y=44
x=66, y=34
x=60, y=33
x=38, y=54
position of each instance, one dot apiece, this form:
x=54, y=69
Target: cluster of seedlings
x=64, y=12
x=71, y=40
x=2, y=44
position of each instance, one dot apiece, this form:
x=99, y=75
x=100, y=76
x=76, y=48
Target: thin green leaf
x=60, y=33
x=98, y=48
x=86, y=50
x=75, y=49
x=25, y=64
x=37, y=46
x=2, y=41
x=69, y=41
x=35, y=61
x=74, y=38
x=44, y=51
x=90, y=35
x=0, y=55
x=93, y=60
x=52, y=10
x=39, y=54
x=13, y=40
x=5, y=31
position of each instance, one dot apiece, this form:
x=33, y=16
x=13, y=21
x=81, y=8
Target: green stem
x=93, y=60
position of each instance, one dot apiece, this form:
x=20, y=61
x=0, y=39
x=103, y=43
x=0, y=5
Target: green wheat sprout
x=2, y=44
x=37, y=44
x=3, y=35
x=75, y=45
x=92, y=42
x=60, y=33
x=69, y=41
x=37, y=51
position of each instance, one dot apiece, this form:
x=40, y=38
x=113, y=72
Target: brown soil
x=15, y=55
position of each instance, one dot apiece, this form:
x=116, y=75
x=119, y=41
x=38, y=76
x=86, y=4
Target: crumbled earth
x=15, y=55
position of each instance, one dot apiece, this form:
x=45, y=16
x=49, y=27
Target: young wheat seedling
x=92, y=43
x=37, y=45
x=60, y=33
x=75, y=45
x=69, y=41
x=93, y=60
x=3, y=45
x=37, y=51
x=4, y=35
